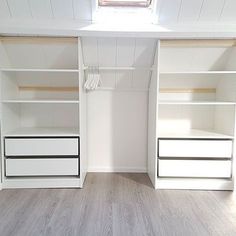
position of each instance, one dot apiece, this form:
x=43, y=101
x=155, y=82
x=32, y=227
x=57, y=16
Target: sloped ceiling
x=45, y=9
x=168, y=11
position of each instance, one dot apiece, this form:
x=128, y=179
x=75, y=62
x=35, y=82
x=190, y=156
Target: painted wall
x=117, y=131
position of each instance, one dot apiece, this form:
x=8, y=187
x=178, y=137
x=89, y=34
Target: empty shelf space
x=197, y=72
x=39, y=70
x=42, y=101
x=43, y=132
x=195, y=103
x=192, y=134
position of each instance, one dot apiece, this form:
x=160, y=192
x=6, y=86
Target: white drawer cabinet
x=42, y=167
x=195, y=148
x=195, y=168
x=41, y=147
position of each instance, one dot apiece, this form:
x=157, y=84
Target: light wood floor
x=116, y=204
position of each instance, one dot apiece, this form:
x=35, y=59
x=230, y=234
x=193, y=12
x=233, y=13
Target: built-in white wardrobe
x=185, y=89
x=192, y=99
x=43, y=112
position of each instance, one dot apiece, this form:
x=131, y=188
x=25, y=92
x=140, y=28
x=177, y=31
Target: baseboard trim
x=194, y=184
x=42, y=183
x=117, y=169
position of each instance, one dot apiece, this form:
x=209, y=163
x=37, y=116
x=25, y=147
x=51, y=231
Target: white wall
x=117, y=131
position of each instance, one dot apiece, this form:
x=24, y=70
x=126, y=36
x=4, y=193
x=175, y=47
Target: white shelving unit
x=192, y=108
x=43, y=107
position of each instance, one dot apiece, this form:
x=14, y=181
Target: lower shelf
x=44, y=132
x=194, y=184
x=42, y=182
x=193, y=133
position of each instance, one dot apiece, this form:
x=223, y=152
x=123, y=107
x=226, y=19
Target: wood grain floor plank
x=116, y=204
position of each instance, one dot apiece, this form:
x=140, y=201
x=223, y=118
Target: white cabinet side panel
x=83, y=116
x=152, y=121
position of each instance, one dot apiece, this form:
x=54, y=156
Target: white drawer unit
x=195, y=168
x=41, y=147
x=42, y=167
x=195, y=148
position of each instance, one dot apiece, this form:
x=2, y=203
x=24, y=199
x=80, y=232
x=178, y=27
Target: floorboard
x=116, y=204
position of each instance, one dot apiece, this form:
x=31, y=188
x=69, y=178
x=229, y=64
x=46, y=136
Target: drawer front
x=194, y=168
x=42, y=167
x=195, y=148
x=41, y=147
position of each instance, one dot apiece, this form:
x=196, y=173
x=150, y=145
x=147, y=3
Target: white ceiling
x=45, y=9
x=169, y=11
x=189, y=11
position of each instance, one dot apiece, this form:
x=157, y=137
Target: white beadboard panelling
x=90, y=51
x=169, y=10
x=82, y=9
x=125, y=51
x=107, y=51
x=41, y=9
x=144, y=52
x=20, y=8
x=62, y=9
x=4, y=10
x=121, y=52
x=190, y=10
x=211, y=10
x=229, y=11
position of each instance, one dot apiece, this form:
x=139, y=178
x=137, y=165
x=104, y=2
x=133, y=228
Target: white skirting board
x=117, y=169
x=195, y=184
x=42, y=183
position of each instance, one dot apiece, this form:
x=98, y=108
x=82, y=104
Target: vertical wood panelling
x=169, y=10
x=63, y=9
x=190, y=10
x=125, y=51
x=107, y=51
x=144, y=52
x=82, y=9
x=20, y=8
x=41, y=9
x=211, y=10
x=229, y=11
x=4, y=10
x=90, y=51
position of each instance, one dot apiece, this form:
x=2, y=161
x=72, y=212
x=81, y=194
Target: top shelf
x=197, y=72
x=194, y=133
x=39, y=70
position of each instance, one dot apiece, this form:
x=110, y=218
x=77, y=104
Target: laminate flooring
x=116, y=204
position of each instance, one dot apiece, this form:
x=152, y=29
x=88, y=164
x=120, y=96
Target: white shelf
x=42, y=101
x=196, y=72
x=193, y=133
x=42, y=132
x=195, y=103
x=39, y=70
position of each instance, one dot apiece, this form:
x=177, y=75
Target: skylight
x=125, y=3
